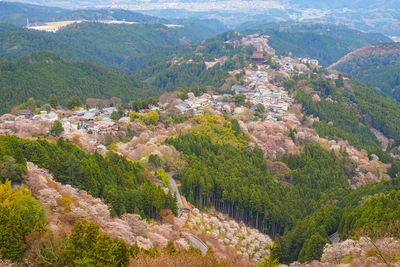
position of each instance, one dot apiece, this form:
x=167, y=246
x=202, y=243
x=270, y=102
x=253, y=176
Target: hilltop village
x=260, y=93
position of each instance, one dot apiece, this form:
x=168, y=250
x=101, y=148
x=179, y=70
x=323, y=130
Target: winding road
x=196, y=242
x=175, y=192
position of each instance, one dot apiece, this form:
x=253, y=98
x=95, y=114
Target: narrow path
x=175, y=192
x=199, y=244
x=196, y=242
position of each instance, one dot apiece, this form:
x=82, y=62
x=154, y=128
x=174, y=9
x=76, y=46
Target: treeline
x=43, y=73
x=120, y=182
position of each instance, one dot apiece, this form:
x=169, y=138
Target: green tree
x=292, y=134
x=115, y=115
x=11, y=170
x=20, y=215
x=155, y=160
x=31, y=104
x=109, y=140
x=170, y=248
x=240, y=99
x=87, y=245
x=46, y=107
x=53, y=101
x=313, y=248
x=236, y=127
x=73, y=102
x=57, y=128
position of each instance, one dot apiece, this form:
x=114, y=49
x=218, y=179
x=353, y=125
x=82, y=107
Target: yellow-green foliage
x=163, y=177
x=66, y=202
x=347, y=260
x=20, y=215
x=219, y=129
x=112, y=147
x=151, y=117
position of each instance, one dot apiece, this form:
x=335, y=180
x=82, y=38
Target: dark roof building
x=257, y=57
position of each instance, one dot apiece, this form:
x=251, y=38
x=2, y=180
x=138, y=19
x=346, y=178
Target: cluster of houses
x=286, y=63
x=93, y=120
x=312, y=62
x=197, y=105
x=259, y=91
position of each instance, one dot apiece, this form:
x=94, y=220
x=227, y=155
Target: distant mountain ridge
x=20, y=14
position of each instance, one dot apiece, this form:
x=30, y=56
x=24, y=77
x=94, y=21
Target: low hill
x=377, y=64
x=42, y=73
x=325, y=42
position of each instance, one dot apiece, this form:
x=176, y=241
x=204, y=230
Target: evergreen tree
x=57, y=128
x=313, y=248
x=53, y=101
x=11, y=170
x=73, y=102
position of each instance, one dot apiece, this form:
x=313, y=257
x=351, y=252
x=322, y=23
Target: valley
x=173, y=142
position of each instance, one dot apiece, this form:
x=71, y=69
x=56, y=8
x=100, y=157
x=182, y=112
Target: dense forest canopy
x=41, y=74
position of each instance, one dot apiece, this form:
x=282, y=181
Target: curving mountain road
x=175, y=192
x=196, y=242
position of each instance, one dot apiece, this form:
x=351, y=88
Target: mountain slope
x=16, y=42
x=378, y=65
x=42, y=73
x=114, y=43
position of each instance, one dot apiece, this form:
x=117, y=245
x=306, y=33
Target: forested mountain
x=111, y=45
x=115, y=43
x=378, y=65
x=40, y=74
x=325, y=42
